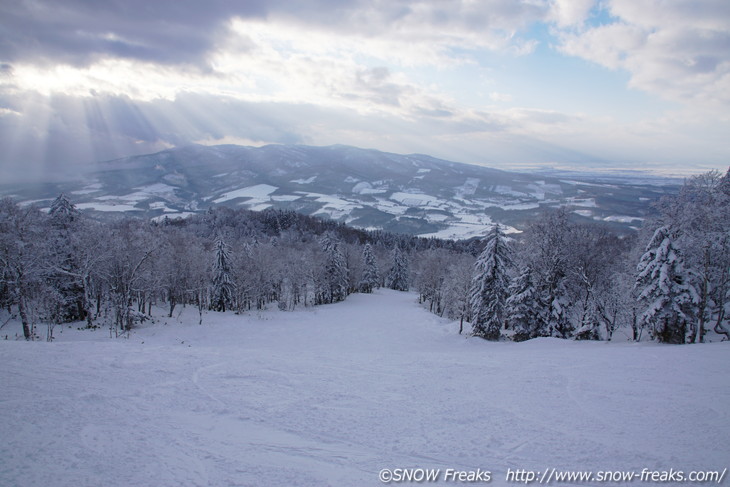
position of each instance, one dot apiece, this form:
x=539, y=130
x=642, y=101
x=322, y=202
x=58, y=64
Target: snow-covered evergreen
x=490, y=283
x=664, y=290
x=370, y=276
x=523, y=309
x=399, y=276
x=62, y=210
x=222, y=289
x=65, y=249
x=336, y=271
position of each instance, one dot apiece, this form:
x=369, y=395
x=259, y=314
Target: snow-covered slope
x=365, y=188
x=334, y=394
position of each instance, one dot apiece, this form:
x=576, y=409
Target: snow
x=584, y=183
x=623, y=218
x=330, y=395
x=285, y=197
x=106, y=207
x=127, y=202
x=156, y=189
x=539, y=189
x=415, y=199
x=256, y=192
x=88, y=189
x=258, y=206
x=309, y=180
x=173, y=216
x=366, y=188
x=514, y=206
x=391, y=207
x=508, y=191
x=585, y=202
x=468, y=188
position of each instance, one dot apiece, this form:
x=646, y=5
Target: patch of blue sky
x=551, y=80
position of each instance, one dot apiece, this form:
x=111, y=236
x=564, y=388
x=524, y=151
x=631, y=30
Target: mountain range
x=415, y=194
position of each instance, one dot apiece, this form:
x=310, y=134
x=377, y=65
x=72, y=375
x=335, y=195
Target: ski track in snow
x=333, y=394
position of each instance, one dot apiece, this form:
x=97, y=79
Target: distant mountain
x=414, y=194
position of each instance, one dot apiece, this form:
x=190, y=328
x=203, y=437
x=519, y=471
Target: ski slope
x=329, y=396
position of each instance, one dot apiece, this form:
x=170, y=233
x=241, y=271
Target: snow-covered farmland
x=333, y=394
x=256, y=192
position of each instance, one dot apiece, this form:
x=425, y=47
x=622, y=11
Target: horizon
x=585, y=86
x=81, y=172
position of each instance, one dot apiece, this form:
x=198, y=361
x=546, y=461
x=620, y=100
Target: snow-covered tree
x=458, y=285
x=128, y=272
x=548, y=253
x=370, y=275
x=337, y=273
x=699, y=219
x=490, y=284
x=431, y=272
x=523, y=308
x=398, y=276
x=664, y=290
x=62, y=211
x=67, y=249
x=594, y=269
x=223, y=289
x=23, y=253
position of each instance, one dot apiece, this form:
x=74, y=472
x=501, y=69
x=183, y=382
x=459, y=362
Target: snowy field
x=332, y=395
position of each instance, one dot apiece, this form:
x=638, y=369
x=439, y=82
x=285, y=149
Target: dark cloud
x=80, y=31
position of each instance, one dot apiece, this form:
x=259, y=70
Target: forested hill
x=414, y=194
x=559, y=277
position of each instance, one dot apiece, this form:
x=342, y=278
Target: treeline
x=558, y=278
x=60, y=266
x=569, y=280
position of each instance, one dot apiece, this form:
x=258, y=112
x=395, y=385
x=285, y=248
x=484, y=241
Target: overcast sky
x=505, y=83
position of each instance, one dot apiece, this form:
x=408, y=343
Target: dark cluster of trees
x=558, y=278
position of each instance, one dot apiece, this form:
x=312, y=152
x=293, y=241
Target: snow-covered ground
x=332, y=395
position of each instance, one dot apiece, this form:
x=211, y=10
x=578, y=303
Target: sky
x=511, y=84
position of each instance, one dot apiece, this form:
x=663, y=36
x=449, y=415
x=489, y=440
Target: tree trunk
x=22, y=310
x=720, y=329
x=172, y=305
x=87, y=301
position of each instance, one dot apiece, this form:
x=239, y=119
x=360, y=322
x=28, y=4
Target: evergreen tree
x=370, y=276
x=64, y=245
x=337, y=273
x=664, y=289
x=398, y=278
x=550, y=242
x=490, y=284
x=223, y=288
x=62, y=211
x=523, y=308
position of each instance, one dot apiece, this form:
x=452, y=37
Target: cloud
x=82, y=81
x=678, y=50
x=568, y=13
x=81, y=32
x=500, y=97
